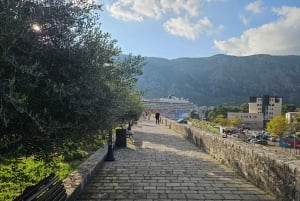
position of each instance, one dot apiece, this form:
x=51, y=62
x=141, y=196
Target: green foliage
x=74, y=155
x=205, y=125
x=221, y=120
x=235, y=121
x=18, y=173
x=61, y=82
x=223, y=110
x=278, y=126
x=132, y=109
x=244, y=107
x=288, y=108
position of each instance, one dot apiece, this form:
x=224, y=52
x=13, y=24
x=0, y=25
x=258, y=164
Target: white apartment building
x=261, y=110
x=269, y=106
x=290, y=116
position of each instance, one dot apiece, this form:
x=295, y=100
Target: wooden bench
x=49, y=189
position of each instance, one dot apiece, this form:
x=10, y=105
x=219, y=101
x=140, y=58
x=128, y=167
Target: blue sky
x=201, y=28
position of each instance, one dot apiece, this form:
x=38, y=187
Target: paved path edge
x=77, y=180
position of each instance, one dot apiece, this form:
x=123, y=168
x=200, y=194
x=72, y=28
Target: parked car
x=262, y=142
x=182, y=121
x=273, y=139
x=250, y=138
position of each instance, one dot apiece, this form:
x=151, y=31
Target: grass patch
x=18, y=173
x=205, y=125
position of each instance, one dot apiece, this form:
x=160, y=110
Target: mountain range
x=222, y=79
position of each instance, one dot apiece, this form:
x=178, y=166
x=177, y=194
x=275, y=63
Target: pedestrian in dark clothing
x=157, y=118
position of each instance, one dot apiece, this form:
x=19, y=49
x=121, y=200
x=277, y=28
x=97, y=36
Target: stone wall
x=77, y=180
x=272, y=172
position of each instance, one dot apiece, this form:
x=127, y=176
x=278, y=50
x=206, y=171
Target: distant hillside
x=222, y=79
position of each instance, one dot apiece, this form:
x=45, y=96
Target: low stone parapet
x=272, y=172
x=77, y=180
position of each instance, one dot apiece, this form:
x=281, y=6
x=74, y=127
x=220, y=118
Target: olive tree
x=278, y=125
x=61, y=76
x=236, y=121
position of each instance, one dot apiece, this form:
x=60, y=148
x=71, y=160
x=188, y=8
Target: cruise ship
x=171, y=107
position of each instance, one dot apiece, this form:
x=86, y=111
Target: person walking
x=157, y=118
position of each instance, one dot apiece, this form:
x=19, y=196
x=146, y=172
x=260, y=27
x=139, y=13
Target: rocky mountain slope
x=221, y=79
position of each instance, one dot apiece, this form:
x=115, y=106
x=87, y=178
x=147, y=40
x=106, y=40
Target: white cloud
x=255, y=7
x=189, y=6
x=184, y=28
x=280, y=37
x=137, y=10
x=244, y=19
x=134, y=10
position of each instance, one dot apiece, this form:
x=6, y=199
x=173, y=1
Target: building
x=269, y=106
x=250, y=120
x=290, y=116
x=171, y=107
x=261, y=110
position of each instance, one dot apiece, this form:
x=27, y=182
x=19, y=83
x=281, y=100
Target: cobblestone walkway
x=163, y=166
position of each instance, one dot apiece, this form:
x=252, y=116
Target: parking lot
x=271, y=143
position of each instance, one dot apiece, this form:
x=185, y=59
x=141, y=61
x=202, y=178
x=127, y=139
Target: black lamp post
x=110, y=153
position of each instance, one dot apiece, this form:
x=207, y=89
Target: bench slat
x=48, y=189
x=54, y=193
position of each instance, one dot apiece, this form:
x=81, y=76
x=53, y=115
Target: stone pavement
x=161, y=165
